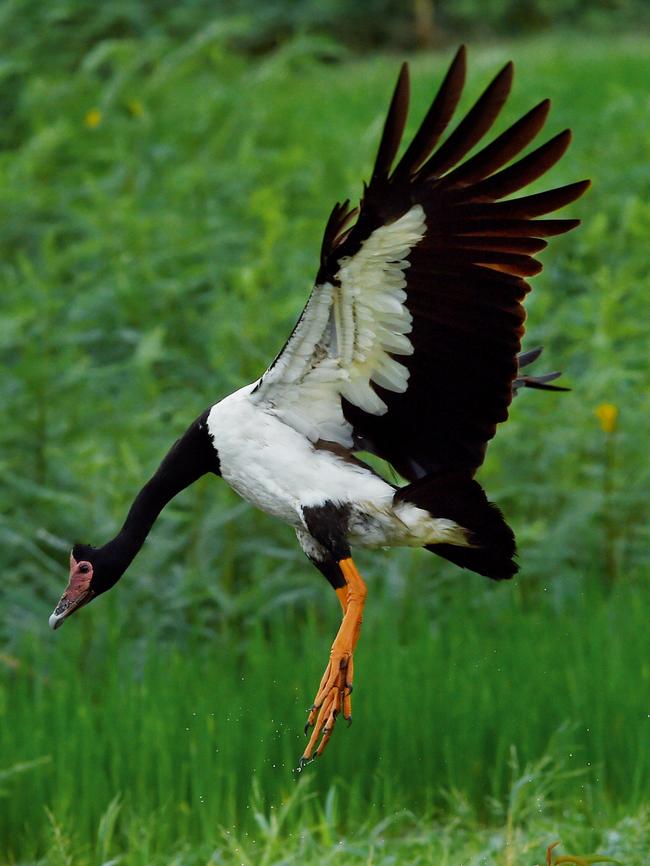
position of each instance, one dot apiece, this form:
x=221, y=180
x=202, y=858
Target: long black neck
x=190, y=457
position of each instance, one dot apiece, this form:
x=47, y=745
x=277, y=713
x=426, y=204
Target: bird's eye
x=84, y=568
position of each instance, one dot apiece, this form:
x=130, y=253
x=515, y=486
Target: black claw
x=349, y=720
x=302, y=763
x=307, y=727
x=349, y=688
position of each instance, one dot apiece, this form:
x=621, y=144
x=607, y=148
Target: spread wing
x=408, y=344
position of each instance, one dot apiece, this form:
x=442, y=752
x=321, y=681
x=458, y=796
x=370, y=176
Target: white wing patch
x=370, y=313
x=345, y=334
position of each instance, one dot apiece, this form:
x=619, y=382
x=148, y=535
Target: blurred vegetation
x=164, y=194
x=61, y=31
x=485, y=714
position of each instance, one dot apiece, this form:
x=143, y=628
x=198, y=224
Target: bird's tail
x=458, y=497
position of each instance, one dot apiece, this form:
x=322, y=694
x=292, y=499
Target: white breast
x=278, y=469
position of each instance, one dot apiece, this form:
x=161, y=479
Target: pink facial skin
x=77, y=592
x=81, y=574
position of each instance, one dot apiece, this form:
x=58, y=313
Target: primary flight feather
x=408, y=348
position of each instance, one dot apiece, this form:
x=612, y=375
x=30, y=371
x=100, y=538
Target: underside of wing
x=408, y=345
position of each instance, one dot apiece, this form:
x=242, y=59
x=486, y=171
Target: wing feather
x=524, y=171
x=394, y=126
x=436, y=119
x=502, y=149
x=408, y=345
x=473, y=127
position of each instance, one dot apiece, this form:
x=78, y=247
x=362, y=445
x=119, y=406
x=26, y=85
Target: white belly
x=279, y=470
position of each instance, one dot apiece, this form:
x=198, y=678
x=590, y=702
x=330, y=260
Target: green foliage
x=58, y=33
x=482, y=715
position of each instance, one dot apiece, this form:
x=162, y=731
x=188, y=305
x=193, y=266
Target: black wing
x=466, y=279
x=408, y=344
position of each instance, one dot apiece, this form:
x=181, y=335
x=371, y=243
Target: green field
x=163, y=208
x=478, y=714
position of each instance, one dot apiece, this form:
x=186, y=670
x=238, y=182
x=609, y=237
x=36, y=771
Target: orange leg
x=333, y=696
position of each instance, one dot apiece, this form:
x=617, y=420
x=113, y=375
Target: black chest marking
x=328, y=524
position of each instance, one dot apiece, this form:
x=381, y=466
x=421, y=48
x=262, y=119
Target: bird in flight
x=408, y=348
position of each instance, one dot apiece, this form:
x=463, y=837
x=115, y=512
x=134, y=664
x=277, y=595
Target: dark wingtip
x=478, y=120
x=394, y=125
x=505, y=76
x=436, y=119
x=575, y=190
x=580, y=187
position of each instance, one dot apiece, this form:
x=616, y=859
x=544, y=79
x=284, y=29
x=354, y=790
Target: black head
x=92, y=572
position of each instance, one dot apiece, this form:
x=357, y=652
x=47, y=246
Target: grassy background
x=164, y=202
x=486, y=714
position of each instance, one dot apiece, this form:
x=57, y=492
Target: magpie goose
x=408, y=348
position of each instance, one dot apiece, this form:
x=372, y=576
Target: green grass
x=197, y=737
x=156, y=261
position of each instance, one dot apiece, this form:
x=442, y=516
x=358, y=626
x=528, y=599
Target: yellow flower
x=607, y=414
x=93, y=118
x=136, y=108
